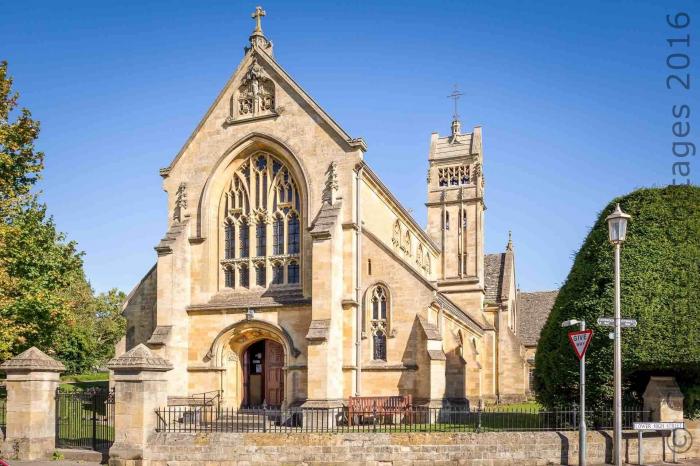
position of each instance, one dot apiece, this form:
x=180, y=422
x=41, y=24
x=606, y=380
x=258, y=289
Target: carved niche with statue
x=254, y=98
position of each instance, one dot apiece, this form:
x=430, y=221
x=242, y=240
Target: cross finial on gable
x=257, y=16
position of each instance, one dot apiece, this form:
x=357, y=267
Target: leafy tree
x=20, y=163
x=45, y=299
x=660, y=274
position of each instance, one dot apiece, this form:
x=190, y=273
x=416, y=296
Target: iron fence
x=416, y=419
x=85, y=419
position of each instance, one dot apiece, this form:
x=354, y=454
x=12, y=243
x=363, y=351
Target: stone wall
x=503, y=448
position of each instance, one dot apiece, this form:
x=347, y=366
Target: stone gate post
x=140, y=387
x=32, y=380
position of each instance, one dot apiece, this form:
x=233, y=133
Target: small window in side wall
x=369, y=266
x=446, y=221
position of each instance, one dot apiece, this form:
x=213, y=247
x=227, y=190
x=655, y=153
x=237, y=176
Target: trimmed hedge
x=660, y=283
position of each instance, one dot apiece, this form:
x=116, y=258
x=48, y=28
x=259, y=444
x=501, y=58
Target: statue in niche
x=255, y=96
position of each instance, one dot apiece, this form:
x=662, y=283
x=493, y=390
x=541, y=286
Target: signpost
x=641, y=427
x=579, y=341
x=610, y=322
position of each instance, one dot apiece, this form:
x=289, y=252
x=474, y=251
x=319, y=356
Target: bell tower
x=456, y=206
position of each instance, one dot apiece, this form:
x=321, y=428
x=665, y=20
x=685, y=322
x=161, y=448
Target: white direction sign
x=658, y=425
x=580, y=341
x=610, y=322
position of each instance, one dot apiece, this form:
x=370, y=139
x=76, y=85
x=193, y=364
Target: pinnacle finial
x=509, y=246
x=257, y=16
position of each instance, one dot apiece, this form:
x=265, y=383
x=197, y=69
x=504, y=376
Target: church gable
x=261, y=97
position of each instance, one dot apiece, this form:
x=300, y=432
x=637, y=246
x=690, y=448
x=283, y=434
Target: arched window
x=379, y=320
x=229, y=241
x=262, y=190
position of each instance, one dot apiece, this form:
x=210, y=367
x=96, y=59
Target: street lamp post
x=582, y=396
x=617, y=230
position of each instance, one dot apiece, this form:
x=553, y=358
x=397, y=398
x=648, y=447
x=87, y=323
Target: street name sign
x=610, y=322
x=658, y=425
x=580, y=340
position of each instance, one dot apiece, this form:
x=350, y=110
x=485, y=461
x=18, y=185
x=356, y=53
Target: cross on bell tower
x=456, y=124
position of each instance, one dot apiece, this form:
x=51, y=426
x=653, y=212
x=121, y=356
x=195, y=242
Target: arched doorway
x=263, y=374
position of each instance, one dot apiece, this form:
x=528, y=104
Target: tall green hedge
x=660, y=283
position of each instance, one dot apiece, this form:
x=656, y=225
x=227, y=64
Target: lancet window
x=261, y=228
x=379, y=321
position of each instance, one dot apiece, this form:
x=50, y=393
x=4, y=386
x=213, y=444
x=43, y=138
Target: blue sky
x=571, y=96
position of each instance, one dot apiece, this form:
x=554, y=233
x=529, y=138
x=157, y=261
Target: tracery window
x=455, y=175
x=379, y=321
x=261, y=191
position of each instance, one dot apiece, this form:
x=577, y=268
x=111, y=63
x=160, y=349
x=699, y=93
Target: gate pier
x=32, y=380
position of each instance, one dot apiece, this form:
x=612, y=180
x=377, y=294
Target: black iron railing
x=85, y=419
x=415, y=419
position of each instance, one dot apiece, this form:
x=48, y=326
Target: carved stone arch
x=275, y=332
x=214, y=185
x=212, y=197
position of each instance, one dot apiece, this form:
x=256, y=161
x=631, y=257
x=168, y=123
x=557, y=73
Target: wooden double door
x=263, y=374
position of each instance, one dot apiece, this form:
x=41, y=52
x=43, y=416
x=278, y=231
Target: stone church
x=291, y=276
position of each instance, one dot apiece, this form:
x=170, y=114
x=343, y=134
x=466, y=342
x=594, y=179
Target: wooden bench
x=378, y=406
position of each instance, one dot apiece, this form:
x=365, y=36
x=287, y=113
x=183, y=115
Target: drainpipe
x=358, y=283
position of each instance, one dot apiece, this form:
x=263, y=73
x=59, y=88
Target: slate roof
x=457, y=312
x=533, y=310
x=494, y=266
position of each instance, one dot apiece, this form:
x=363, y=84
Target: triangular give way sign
x=580, y=341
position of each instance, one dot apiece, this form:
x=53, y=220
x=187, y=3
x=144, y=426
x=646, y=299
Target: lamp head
x=617, y=225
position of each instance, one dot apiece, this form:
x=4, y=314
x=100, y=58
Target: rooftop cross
x=455, y=96
x=257, y=15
